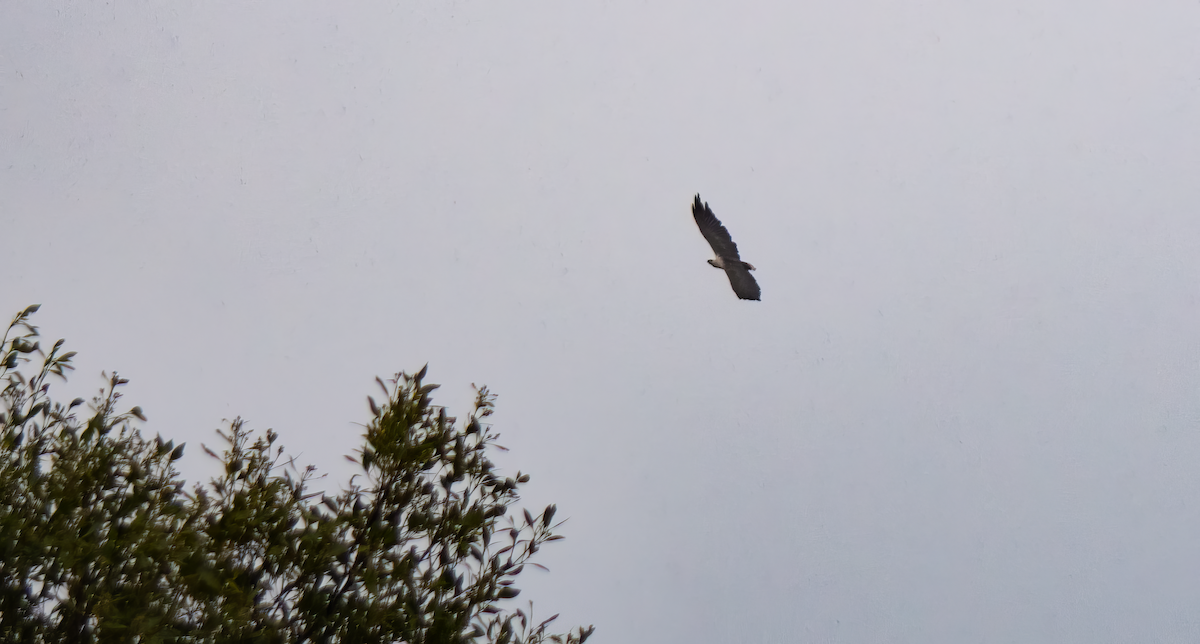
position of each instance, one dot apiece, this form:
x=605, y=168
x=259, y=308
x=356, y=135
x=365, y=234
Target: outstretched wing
x=722, y=244
x=742, y=282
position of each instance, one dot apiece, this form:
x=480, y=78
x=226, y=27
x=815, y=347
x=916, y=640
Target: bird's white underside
x=719, y=263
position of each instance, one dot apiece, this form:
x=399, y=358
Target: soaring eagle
x=726, y=251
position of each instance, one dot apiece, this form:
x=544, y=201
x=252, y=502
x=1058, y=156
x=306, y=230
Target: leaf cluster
x=100, y=540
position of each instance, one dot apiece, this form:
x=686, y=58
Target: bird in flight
x=726, y=251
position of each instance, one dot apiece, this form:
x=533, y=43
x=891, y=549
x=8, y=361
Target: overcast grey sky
x=966, y=410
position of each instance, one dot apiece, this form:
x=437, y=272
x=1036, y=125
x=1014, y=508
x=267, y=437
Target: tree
x=100, y=540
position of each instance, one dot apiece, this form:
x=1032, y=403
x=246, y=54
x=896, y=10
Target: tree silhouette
x=100, y=540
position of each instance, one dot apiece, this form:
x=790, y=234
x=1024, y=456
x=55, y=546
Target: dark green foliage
x=100, y=541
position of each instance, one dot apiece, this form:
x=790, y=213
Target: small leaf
x=137, y=411
x=508, y=593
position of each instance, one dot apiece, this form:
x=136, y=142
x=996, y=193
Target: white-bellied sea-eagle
x=726, y=251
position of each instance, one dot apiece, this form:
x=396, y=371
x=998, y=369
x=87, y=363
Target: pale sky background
x=966, y=410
